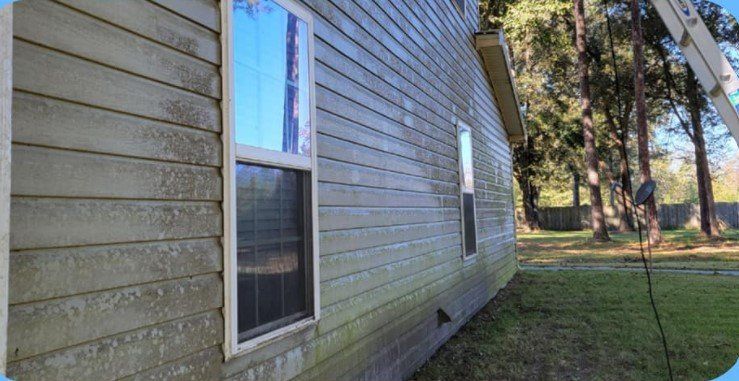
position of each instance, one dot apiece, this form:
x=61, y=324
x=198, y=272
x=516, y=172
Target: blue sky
x=680, y=142
x=731, y=5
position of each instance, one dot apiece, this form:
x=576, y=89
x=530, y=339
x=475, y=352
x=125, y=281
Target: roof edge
x=493, y=48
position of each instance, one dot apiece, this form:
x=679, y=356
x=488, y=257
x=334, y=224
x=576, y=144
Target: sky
x=730, y=5
x=681, y=142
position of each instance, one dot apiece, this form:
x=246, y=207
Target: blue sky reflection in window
x=271, y=78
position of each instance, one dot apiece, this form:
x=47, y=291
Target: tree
x=600, y=233
x=537, y=33
x=642, y=127
x=610, y=85
x=683, y=94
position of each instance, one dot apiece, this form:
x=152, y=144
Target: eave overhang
x=496, y=58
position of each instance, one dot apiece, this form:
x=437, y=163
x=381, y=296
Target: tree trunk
x=600, y=233
x=575, y=185
x=530, y=195
x=529, y=190
x=624, y=207
x=290, y=127
x=709, y=221
x=642, y=128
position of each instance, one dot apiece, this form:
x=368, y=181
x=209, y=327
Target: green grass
x=592, y=325
x=681, y=249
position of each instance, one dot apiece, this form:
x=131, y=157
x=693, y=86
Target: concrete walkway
x=632, y=269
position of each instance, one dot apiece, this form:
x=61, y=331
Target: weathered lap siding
x=115, y=223
x=116, y=188
x=393, y=78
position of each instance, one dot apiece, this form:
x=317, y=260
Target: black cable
x=651, y=294
x=619, y=102
x=631, y=195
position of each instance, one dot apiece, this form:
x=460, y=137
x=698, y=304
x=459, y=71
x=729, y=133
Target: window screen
x=272, y=248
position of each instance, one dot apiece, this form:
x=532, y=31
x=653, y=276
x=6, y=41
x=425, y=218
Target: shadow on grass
x=681, y=249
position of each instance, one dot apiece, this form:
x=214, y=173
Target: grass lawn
x=682, y=249
x=593, y=325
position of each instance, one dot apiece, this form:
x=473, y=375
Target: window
x=461, y=6
x=270, y=182
x=467, y=191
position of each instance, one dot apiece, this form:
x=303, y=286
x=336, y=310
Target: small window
x=461, y=6
x=467, y=191
x=270, y=198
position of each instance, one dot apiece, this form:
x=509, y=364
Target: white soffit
x=497, y=60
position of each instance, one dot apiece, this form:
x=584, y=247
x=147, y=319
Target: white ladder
x=709, y=63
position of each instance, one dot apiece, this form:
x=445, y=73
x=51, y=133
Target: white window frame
x=461, y=126
x=260, y=156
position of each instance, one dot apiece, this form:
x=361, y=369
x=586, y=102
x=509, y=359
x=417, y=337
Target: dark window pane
x=272, y=248
x=470, y=231
x=271, y=77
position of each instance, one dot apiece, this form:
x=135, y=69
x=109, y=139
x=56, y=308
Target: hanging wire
x=617, y=82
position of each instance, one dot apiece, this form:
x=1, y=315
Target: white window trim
x=232, y=152
x=461, y=126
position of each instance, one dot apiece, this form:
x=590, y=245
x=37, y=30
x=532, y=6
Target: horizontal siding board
x=346, y=263
x=329, y=78
x=344, y=129
x=455, y=298
x=59, y=173
x=467, y=62
x=348, y=152
x=338, y=45
x=355, y=284
x=155, y=23
x=374, y=301
x=53, y=273
x=204, y=365
x=96, y=40
x=354, y=239
x=353, y=174
x=354, y=22
x=340, y=218
x=55, y=222
x=90, y=316
x=204, y=12
x=350, y=71
x=49, y=122
x=43, y=71
x=346, y=195
x=126, y=353
x=337, y=104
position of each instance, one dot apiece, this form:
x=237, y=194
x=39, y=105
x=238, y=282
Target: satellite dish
x=645, y=190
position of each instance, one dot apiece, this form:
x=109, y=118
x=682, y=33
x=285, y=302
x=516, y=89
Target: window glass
x=273, y=287
x=271, y=77
x=467, y=188
x=470, y=231
x=465, y=148
x=460, y=5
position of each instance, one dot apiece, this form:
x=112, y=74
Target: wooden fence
x=671, y=216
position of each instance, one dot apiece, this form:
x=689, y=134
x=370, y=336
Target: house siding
x=116, y=261
x=115, y=196
x=392, y=80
